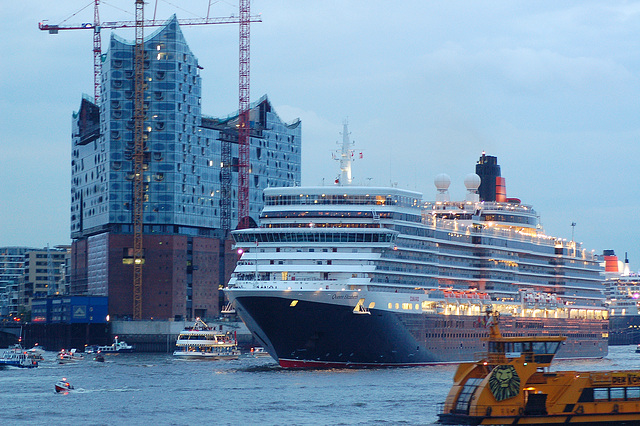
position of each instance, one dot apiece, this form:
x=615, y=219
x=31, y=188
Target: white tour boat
x=117, y=346
x=203, y=342
x=20, y=359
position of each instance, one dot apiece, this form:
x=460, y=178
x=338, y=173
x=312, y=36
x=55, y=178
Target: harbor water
x=143, y=388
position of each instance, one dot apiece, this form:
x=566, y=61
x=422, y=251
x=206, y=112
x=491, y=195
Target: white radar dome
x=442, y=182
x=472, y=182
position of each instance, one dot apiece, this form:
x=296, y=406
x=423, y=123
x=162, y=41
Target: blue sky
x=550, y=88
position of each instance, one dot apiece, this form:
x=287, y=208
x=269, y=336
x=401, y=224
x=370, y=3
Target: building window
x=127, y=256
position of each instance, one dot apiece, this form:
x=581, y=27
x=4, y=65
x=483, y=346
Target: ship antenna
x=345, y=156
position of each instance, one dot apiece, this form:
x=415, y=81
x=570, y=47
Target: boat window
x=514, y=347
x=633, y=393
x=462, y=405
x=552, y=347
x=539, y=348
x=496, y=347
x=617, y=393
x=601, y=394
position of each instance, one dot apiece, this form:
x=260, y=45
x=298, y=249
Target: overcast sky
x=550, y=88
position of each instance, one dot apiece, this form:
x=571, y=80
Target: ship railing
x=463, y=230
x=491, y=358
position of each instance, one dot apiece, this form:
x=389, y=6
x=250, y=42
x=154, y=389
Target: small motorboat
x=36, y=353
x=259, y=351
x=63, y=386
x=65, y=356
x=99, y=357
x=638, y=349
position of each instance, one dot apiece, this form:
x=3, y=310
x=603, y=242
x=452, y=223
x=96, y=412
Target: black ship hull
x=321, y=335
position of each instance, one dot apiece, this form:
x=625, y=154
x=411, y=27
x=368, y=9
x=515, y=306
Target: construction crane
x=244, y=129
x=138, y=159
x=244, y=134
x=97, y=26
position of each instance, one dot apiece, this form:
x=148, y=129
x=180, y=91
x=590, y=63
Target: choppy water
x=157, y=389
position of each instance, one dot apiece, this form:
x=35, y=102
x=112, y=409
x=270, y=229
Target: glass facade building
x=182, y=148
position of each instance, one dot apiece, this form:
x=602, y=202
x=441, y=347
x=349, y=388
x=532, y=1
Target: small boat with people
x=36, y=352
x=17, y=358
x=258, y=351
x=512, y=384
x=63, y=386
x=68, y=356
x=116, y=347
x=201, y=341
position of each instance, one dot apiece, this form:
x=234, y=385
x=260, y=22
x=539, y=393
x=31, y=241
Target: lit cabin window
x=390, y=305
x=293, y=303
x=397, y=306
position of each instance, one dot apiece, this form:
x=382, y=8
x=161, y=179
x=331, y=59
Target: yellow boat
x=512, y=385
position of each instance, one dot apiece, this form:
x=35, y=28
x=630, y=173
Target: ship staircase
x=360, y=309
x=376, y=217
x=228, y=309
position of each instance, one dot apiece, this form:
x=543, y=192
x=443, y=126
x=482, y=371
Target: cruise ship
x=622, y=292
x=360, y=276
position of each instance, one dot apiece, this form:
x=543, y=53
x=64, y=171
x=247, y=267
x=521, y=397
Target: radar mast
x=345, y=157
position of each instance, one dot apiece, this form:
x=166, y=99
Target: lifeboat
x=512, y=385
